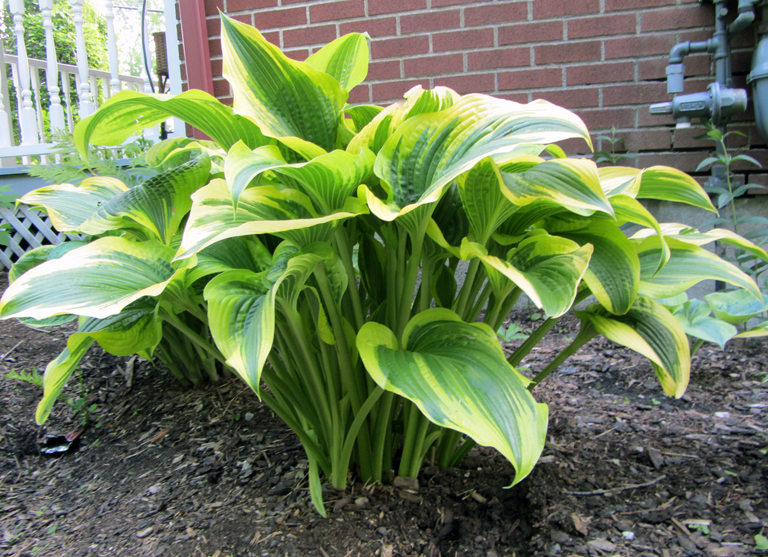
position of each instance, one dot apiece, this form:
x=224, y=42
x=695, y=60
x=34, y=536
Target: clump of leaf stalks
x=317, y=244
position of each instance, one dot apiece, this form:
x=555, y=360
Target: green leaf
x=687, y=266
x=128, y=112
x=136, y=329
x=157, y=205
x=328, y=179
x=59, y=370
x=760, y=331
x=736, y=306
x=620, y=180
x=96, y=280
x=457, y=375
x=285, y=213
x=242, y=252
x=29, y=260
x=668, y=184
x=692, y=236
x=747, y=158
x=288, y=100
x=70, y=206
x=241, y=314
x=547, y=268
x=651, y=330
x=613, y=275
x=485, y=205
x=628, y=209
x=427, y=152
x=362, y=114
x=571, y=183
x=694, y=317
x=345, y=59
x=707, y=162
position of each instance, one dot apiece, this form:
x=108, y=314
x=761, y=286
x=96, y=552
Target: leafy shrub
x=325, y=240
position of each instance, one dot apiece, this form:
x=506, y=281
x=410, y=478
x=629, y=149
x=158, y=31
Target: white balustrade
x=29, y=75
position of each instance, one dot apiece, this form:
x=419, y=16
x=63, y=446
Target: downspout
x=197, y=56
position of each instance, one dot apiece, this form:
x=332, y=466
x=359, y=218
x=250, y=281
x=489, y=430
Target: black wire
x=144, y=43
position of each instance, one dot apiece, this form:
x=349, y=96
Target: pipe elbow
x=678, y=52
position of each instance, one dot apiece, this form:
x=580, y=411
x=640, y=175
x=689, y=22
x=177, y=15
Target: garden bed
x=165, y=470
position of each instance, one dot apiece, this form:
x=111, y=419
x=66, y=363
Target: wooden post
x=27, y=119
x=56, y=111
x=86, y=100
x=197, y=57
x=114, y=69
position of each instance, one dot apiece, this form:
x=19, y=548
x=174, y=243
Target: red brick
x=249, y=5
x=217, y=68
x=682, y=17
x=430, y=21
x=384, y=70
x=276, y=19
x=226, y=100
x=213, y=27
x=360, y=94
x=656, y=68
x=499, y=58
x=635, y=93
x=221, y=88
x=299, y=54
x=336, y=10
x=214, y=47
x=645, y=119
x=469, y=83
x=433, y=65
x=375, y=27
x=531, y=79
x=376, y=7
x=574, y=146
x=531, y=32
x=571, y=98
x=272, y=37
x=543, y=9
x=401, y=46
x=493, y=14
x=393, y=90
x=640, y=45
x=462, y=40
x=212, y=7
x=521, y=98
x=304, y=36
x=438, y=3
x=589, y=51
x=687, y=162
x=599, y=73
x=606, y=118
x=616, y=5
x=686, y=138
x=646, y=140
x=601, y=26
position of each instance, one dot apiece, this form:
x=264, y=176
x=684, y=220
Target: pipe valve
x=716, y=104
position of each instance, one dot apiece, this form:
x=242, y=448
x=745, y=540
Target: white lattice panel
x=31, y=229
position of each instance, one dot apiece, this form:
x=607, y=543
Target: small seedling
x=535, y=316
x=512, y=332
x=32, y=377
x=761, y=542
x=611, y=157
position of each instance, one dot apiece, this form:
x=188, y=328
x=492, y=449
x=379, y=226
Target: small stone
x=381, y=530
x=477, y=497
x=602, y=544
x=145, y=532
x=407, y=484
x=362, y=502
x=656, y=459
x=155, y=488
x=248, y=416
x=341, y=503
x=629, y=536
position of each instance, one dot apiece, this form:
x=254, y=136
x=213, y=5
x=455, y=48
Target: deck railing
x=31, y=136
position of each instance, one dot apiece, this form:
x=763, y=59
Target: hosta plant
x=364, y=256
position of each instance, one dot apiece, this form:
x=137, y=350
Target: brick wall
x=604, y=59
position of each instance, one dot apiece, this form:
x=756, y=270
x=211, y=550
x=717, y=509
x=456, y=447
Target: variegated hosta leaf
x=157, y=205
x=128, y=112
x=29, y=260
x=288, y=100
x=690, y=235
x=241, y=316
x=620, y=180
x=736, y=306
x=427, y=152
x=669, y=184
x=241, y=307
x=70, y=206
x=613, y=275
x=760, y=331
x=285, y=213
x=96, y=280
x=484, y=203
x=651, y=330
x=688, y=265
x=345, y=59
x=694, y=317
x=457, y=375
x=362, y=114
x=328, y=179
x=572, y=183
x=628, y=209
x=415, y=101
x=134, y=330
x=547, y=268
x=242, y=252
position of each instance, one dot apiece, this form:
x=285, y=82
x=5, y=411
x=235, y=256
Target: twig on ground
x=4, y=356
x=616, y=489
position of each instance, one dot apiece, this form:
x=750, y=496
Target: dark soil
x=164, y=470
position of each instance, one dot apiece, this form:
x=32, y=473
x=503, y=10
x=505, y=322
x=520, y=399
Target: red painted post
x=197, y=57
